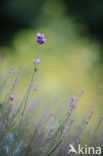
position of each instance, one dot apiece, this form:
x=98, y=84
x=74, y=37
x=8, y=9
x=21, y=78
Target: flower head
x=40, y=38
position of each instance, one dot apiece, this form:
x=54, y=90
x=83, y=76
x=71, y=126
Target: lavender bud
x=37, y=61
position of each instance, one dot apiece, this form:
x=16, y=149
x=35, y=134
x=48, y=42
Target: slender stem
x=38, y=51
x=26, y=100
x=29, y=145
x=93, y=133
x=27, y=96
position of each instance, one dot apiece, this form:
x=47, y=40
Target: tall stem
x=38, y=51
x=29, y=88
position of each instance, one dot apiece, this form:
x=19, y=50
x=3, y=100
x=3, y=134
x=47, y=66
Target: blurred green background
x=70, y=60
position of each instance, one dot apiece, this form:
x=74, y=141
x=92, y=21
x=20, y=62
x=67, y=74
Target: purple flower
x=37, y=61
x=72, y=99
x=73, y=102
x=40, y=38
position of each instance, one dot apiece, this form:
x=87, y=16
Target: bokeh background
x=70, y=60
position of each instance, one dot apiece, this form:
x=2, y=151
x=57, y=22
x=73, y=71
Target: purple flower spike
x=38, y=61
x=40, y=38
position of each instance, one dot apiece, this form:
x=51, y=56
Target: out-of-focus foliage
x=21, y=124
x=16, y=15
x=89, y=12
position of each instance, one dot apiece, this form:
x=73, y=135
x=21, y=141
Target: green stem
x=38, y=51
x=26, y=100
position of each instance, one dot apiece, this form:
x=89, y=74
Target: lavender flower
x=37, y=61
x=40, y=38
x=73, y=102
